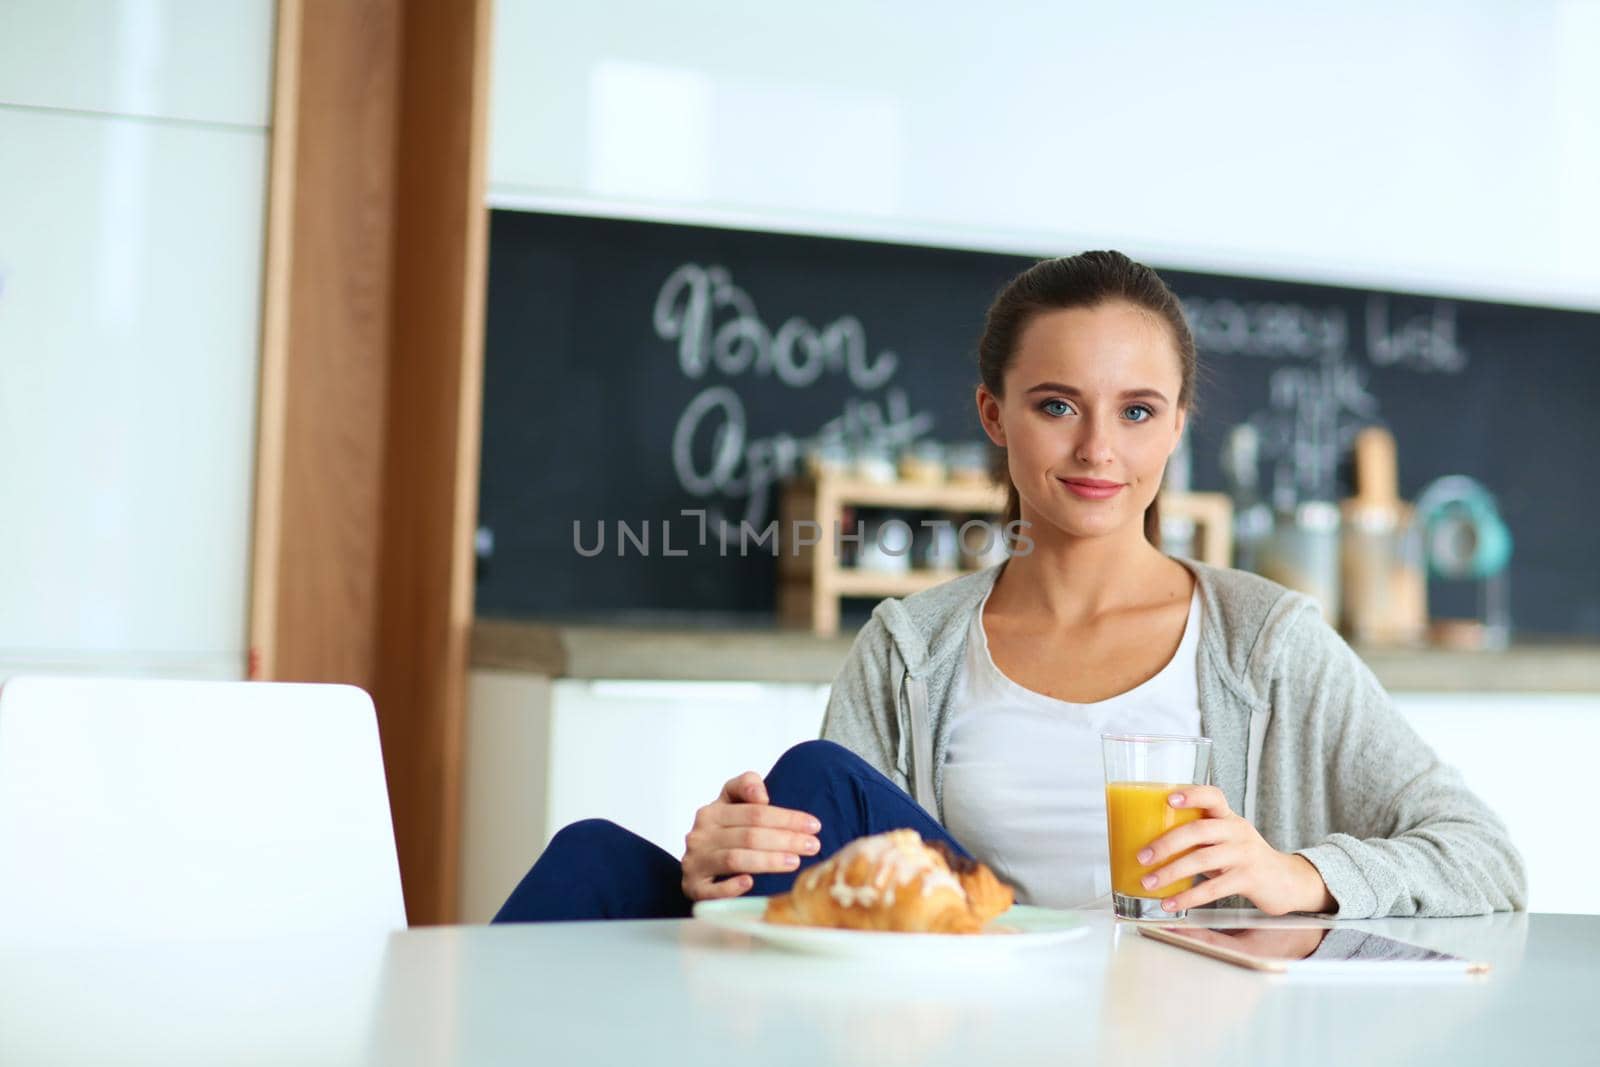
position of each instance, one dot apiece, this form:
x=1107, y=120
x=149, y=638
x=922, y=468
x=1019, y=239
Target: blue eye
x=1054, y=407
x=1148, y=413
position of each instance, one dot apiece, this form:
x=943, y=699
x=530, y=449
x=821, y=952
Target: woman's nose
x=1094, y=443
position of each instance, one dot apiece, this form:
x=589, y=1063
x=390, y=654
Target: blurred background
x=333, y=334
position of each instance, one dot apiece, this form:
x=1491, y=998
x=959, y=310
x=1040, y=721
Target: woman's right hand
x=740, y=834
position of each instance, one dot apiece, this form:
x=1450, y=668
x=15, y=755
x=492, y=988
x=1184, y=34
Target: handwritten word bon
x=715, y=324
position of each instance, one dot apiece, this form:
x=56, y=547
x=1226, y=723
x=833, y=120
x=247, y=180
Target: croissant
x=893, y=881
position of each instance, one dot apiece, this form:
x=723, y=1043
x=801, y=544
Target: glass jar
x=935, y=546
x=1303, y=554
x=968, y=463
x=875, y=464
x=1384, y=579
x=830, y=459
x=923, y=463
x=982, y=542
x=885, y=544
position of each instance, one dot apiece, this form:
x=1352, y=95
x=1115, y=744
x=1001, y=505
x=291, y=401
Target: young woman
x=972, y=712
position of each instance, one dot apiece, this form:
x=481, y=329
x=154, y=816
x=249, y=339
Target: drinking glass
x=1142, y=771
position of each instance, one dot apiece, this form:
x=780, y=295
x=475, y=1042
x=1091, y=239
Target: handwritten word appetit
x=746, y=466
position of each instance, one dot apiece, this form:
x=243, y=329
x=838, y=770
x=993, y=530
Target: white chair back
x=166, y=809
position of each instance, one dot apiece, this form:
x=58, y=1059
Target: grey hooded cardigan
x=1306, y=743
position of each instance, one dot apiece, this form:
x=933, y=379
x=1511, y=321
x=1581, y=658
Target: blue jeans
x=595, y=869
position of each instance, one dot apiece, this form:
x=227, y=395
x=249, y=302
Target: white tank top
x=1024, y=787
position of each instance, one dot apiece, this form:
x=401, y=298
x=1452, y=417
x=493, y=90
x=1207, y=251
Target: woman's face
x=1091, y=394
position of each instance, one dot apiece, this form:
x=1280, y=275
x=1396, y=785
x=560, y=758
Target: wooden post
x=366, y=490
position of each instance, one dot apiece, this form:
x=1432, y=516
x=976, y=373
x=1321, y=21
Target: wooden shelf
x=1212, y=515
x=850, y=582
x=812, y=581
x=940, y=496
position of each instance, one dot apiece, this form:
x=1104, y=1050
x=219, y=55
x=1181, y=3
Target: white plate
x=1021, y=927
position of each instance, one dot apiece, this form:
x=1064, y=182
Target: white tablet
x=1312, y=949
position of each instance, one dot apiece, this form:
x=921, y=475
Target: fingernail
x=811, y=846
x=1177, y=800
x=1169, y=905
x=1148, y=881
x=1145, y=855
x=814, y=826
x=791, y=861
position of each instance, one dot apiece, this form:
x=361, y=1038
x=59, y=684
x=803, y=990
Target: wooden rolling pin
x=1385, y=591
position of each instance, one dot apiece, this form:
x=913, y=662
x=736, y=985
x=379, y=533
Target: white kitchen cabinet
x=196, y=60
x=543, y=753
x=130, y=282
x=1527, y=755
x=920, y=123
x=646, y=755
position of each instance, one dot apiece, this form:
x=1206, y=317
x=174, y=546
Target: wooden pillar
x=370, y=387
x=431, y=462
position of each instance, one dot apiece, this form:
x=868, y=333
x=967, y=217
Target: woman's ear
x=989, y=416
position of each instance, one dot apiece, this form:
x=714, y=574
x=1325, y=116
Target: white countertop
x=753, y=653
x=680, y=992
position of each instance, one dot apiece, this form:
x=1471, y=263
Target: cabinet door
x=647, y=754
x=130, y=282
x=1530, y=757
x=196, y=60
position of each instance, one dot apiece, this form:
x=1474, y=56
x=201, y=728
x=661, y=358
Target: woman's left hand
x=1235, y=859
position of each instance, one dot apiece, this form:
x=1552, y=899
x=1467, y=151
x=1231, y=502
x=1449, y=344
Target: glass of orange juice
x=1142, y=771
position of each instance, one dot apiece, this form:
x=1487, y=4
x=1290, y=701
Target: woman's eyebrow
x=1067, y=390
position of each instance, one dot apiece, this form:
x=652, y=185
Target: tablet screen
x=1285, y=943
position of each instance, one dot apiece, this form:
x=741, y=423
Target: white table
x=676, y=992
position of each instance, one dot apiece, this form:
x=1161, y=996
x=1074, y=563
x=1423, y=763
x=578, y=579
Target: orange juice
x=1136, y=814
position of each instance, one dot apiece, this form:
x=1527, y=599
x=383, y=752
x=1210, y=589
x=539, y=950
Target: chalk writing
x=1422, y=342
x=713, y=454
x=1283, y=331
x=797, y=352
x=1320, y=400
x=740, y=466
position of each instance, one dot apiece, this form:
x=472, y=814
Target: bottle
x=1177, y=531
x=1252, y=517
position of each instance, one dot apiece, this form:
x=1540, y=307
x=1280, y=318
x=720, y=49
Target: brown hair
x=1086, y=280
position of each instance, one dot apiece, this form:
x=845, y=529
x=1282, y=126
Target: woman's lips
x=1092, y=490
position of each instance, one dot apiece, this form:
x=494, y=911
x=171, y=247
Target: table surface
x=682, y=992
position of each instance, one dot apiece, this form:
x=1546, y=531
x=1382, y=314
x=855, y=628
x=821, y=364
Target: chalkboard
x=636, y=371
